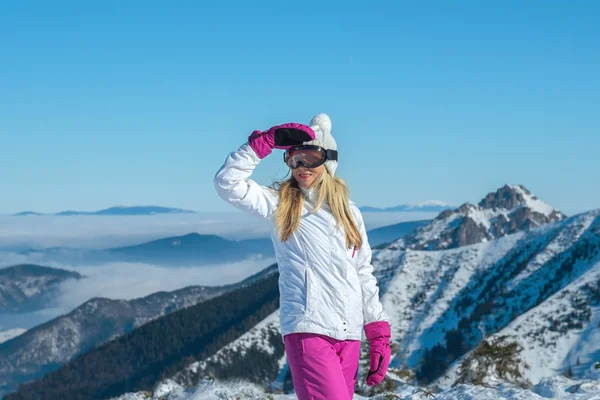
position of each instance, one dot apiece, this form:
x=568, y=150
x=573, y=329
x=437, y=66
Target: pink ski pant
x=322, y=368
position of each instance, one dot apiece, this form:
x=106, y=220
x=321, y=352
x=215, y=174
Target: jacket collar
x=311, y=195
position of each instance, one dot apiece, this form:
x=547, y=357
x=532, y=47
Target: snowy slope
x=443, y=301
x=254, y=356
x=510, y=209
x=559, y=336
x=418, y=287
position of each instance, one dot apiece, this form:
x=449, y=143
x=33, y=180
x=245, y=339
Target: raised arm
x=233, y=182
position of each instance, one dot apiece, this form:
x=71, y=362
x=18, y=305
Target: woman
x=328, y=293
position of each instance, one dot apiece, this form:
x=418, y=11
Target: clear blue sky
x=139, y=102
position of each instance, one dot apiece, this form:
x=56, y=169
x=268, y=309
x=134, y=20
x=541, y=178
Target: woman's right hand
x=280, y=137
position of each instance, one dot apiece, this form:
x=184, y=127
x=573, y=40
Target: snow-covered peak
x=533, y=202
x=436, y=203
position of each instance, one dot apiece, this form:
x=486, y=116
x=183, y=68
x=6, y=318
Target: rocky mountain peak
x=510, y=209
x=508, y=197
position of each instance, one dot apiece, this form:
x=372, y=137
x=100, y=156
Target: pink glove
x=379, y=335
x=280, y=137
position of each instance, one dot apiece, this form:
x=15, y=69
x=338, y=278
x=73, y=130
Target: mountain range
x=426, y=206
x=117, y=210
x=45, y=347
x=503, y=292
x=157, y=348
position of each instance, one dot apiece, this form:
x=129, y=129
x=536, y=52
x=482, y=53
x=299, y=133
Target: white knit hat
x=321, y=124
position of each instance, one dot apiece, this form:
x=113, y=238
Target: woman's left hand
x=378, y=333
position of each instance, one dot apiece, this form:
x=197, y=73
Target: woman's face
x=306, y=176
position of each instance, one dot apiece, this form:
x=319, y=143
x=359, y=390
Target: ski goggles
x=308, y=156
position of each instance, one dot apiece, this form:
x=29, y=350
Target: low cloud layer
x=96, y=232
x=129, y=281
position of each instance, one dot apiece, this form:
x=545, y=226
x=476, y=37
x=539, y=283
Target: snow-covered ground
x=533, y=202
x=560, y=388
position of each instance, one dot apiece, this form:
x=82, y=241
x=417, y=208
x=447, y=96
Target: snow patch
x=437, y=203
x=533, y=202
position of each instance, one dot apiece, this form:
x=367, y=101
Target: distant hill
x=29, y=287
x=27, y=213
x=194, y=249
x=118, y=210
x=427, y=206
x=177, y=251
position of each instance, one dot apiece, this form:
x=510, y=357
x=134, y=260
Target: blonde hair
x=333, y=190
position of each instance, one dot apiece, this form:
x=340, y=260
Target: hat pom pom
x=321, y=121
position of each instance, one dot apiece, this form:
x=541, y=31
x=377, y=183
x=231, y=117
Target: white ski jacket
x=324, y=287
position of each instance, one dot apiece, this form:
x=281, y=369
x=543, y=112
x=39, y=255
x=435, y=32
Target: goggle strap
x=332, y=155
